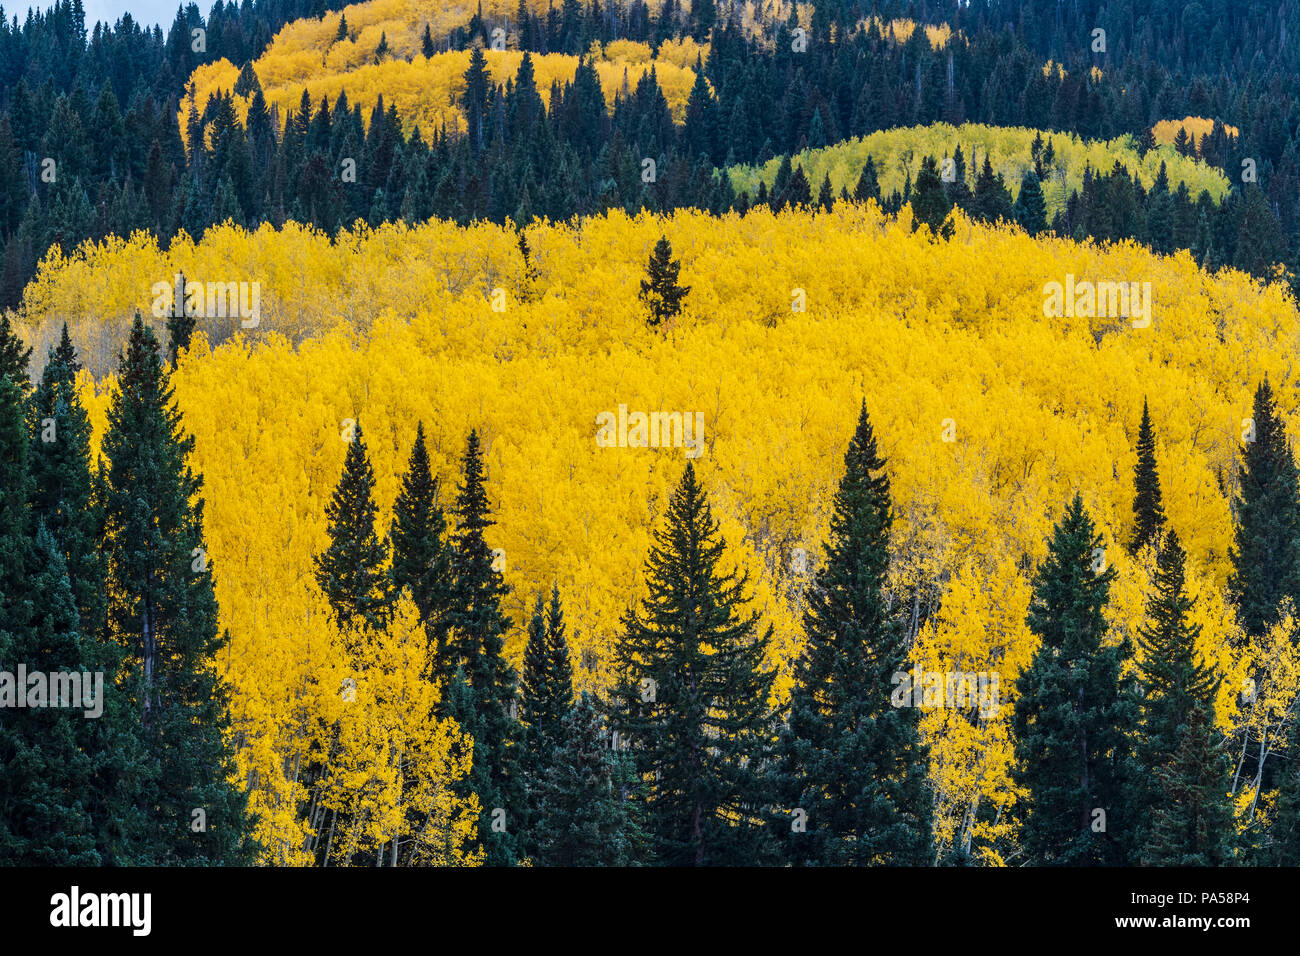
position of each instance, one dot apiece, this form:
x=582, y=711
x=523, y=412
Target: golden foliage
x=944, y=338
x=898, y=154
x=1166, y=131
x=306, y=55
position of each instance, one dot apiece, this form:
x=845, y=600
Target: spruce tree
x=62, y=486
x=547, y=683
x=545, y=700
x=476, y=643
x=1284, y=835
x=1266, y=550
x=851, y=762
x=691, y=697
x=47, y=787
x=930, y=202
x=1192, y=824
x=583, y=818
x=1148, y=512
x=1074, y=711
x=163, y=612
x=180, y=324
x=1187, y=791
x=13, y=355
x=1031, y=208
x=868, y=186
x=660, y=290
x=351, y=570
x=422, y=553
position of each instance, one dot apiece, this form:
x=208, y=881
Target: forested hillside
x=608, y=434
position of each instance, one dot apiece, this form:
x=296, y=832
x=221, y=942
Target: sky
x=145, y=12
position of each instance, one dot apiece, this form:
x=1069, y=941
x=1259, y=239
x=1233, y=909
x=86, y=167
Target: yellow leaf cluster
x=306, y=55
x=898, y=154
x=1166, y=131
x=990, y=414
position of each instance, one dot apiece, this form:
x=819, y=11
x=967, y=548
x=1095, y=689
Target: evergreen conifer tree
x=1148, y=511
x=930, y=202
x=13, y=355
x=62, y=493
x=1031, y=208
x=1266, y=550
x=691, y=697
x=851, y=761
x=162, y=610
x=422, y=553
x=1074, y=711
x=1188, y=808
x=351, y=571
x=660, y=290
x=477, y=642
x=583, y=817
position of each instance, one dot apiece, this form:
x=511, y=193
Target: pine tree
x=477, y=641
x=163, y=612
x=46, y=752
x=691, y=697
x=930, y=202
x=851, y=761
x=62, y=494
x=1148, y=512
x=1074, y=711
x=1284, y=835
x=422, y=553
x=351, y=571
x=13, y=355
x=1266, y=550
x=180, y=324
x=868, y=186
x=545, y=700
x=583, y=818
x=660, y=290
x=1031, y=207
x=547, y=684
x=798, y=192
x=990, y=201
x=1187, y=803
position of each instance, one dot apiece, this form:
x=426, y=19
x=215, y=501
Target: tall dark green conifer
x=1074, y=712
x=351, y=571
x=1266, y=551
x=545, y=700
x=62, y=492
x=163, y=612
x=1148, y=511
x=660, y=290
x=47, y=762
x=422, y=553
x=1284, y=835
x=477, y=639
x=583, y=818
x=930, y=202
x=14, y=355
x=1031, y=208
x=1187, y=808
x=691, y=697
x=853, y=765
x=547, y=684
